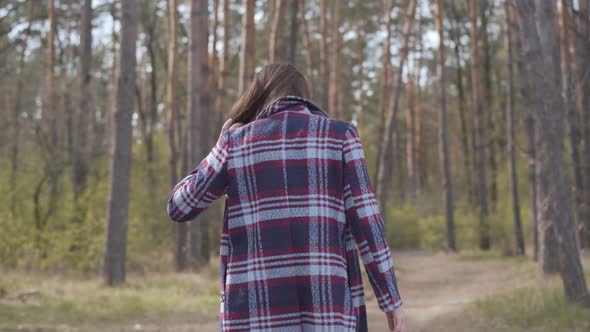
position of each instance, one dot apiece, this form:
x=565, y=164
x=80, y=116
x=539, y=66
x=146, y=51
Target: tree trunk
x=480, y=134
x=335, y=69
x=541, y=51
x=411, y=138
x=16, y=112
x=197, y=141
x=518, y=233
x=274, y=31
x=205, y=128
x=529, y=124
x=390, y=131
x=384, y=87
x=116, y=230
x=80, y=159
x=180, y=229
x=582, y=79
x=573, y=118
x=293, y=34
x=491, y=135
x=324, y=73
x=223, y=65
x=359, y=114
x=247, y=52
x=308, y=49
x=443, y=140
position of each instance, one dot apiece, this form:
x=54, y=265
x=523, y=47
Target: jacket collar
x=291, y=103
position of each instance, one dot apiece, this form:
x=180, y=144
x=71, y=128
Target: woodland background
x=474, y=116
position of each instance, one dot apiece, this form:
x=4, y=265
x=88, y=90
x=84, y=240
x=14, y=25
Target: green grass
x=530, y=309
x=492, y=254
x=48, y=301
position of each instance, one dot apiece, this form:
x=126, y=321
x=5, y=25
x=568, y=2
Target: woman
x=299, y=209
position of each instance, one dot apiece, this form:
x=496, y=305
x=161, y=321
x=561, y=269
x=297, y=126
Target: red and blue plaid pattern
x=299, y=210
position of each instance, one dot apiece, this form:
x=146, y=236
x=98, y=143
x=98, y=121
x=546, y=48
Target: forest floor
x=472, y=291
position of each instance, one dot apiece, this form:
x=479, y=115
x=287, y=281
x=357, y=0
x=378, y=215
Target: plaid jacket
x=299, y=210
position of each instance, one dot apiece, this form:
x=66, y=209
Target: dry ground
x=435, y=288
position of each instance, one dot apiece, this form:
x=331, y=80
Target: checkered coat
x=299, y=209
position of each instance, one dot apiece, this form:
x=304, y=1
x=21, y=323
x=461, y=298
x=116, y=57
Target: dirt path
x=433, y=286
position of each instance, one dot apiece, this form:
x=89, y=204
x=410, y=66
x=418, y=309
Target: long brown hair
x=271, y=82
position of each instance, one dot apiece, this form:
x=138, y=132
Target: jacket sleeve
x=201, y=187
x=366, y=223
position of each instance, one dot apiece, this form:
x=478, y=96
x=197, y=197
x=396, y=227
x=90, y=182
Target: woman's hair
x=271, y=82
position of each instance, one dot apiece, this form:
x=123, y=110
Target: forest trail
x=433, y=287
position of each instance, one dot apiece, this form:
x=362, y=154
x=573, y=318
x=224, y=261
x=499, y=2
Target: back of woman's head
x=271, y=82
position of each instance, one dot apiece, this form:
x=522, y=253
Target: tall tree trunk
x=247, y=52
x=17, y=110
x=180, y=229
x=390, y=132
x=443, y=140
x=80, y=158
x=545, y=240
x=324, y=73
x=582, y=70
x=572, y=114
x=274, y=31
x=529, y=124
x=463, y=117
x=308, y=49
x=293, y=33
x=411, y=138
x=491, y=141
x=223, y=65
x=384, y=87
x=335, y=64
x=359, y=114
x=518, y=233
x=196, y=139
x=149, y=20
x=480, y=132
x=542, y=54
x=205, y=127
x=116, y=230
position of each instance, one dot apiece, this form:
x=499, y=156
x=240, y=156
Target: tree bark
x=293, y=34
x=573, y=118
x=197, y=86
x=205, y=127
x=443, y=140
x=411, y=138
x=390, y=131
x=491, y=135
x=335, y=69
x=14, y=151
x=180, y=229
x=518, y=233
x=463, y=117
x=324, y=73
x=274, y=31
x=80, y=159
x=542, y=54
x=117, y=212
x=480, y=132
x=223, y=65
x=247, y=52
x=384, y=87
x=308, y=50
x=582, y=79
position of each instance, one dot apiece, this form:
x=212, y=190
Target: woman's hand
x=229, y=124
x=396, y=320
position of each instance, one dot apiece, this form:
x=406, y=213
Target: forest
x=474, y=117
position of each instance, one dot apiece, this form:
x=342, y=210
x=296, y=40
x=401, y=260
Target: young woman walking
x=299, y=210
